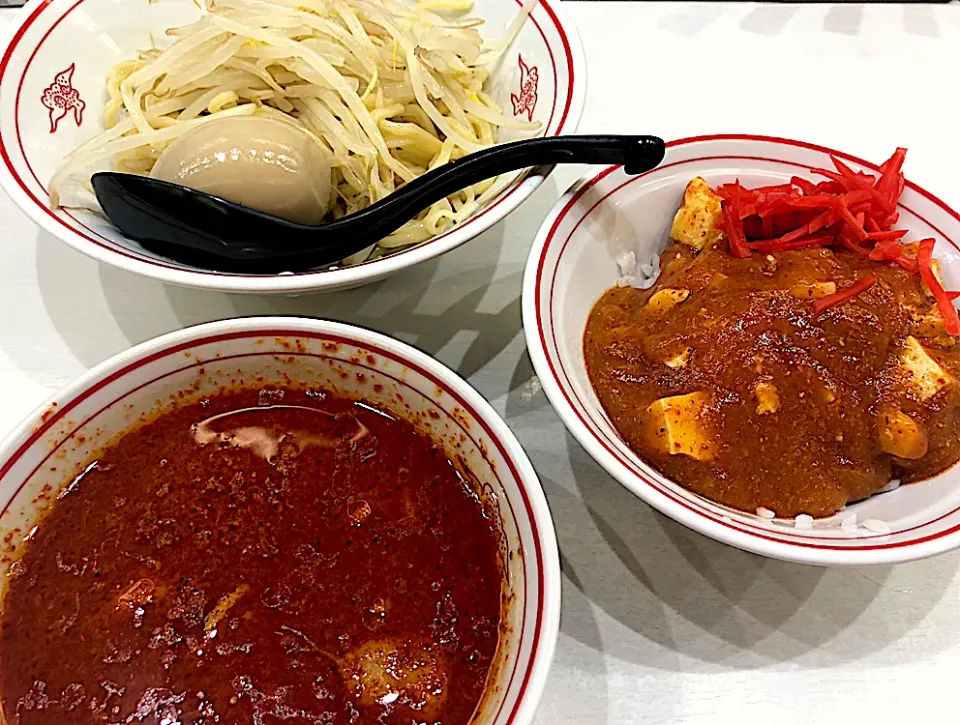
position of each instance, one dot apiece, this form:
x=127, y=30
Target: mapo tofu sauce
x=255, y=559
x=724, y=378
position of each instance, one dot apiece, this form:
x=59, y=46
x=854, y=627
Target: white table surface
x=660, y=625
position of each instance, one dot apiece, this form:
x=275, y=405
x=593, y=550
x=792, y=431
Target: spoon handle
x=202, y=230
x=636, y=153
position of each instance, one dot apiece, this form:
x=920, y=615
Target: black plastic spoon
x=202, y=230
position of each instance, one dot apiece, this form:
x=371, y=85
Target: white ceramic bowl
x=70, y=428
x=573, y=261
x=86, y=37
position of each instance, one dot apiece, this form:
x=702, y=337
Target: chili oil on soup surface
x=257, y=557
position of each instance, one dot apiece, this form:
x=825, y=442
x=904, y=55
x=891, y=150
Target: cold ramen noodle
x=257, y=557
x=381, y=90
x=795, y=353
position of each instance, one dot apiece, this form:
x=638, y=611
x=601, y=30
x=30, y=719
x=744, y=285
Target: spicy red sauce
x=303, y=558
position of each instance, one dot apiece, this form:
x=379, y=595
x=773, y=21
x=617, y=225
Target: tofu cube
x=768, y=399
x=829, y=395
x=931, y=326
x=666, y=299
x=900, y=435
x=679, y=360
x=695, y=224
x=910, y=250
x=928, y=324
x=922, y=375
x=815, y=291
x=679, y=425
x=935, y=266
x=718, y=281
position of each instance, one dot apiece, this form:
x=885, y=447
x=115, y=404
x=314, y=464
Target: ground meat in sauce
x=798, y=411
x=335, y=568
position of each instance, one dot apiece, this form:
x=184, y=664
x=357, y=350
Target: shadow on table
x=471, y=300
x=409, y=307
x=463, y=308
x=715, y=604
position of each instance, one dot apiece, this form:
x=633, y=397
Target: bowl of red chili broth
x=580, y=254
x=273, y=518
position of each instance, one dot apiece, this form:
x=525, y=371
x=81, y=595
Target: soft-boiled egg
x=262, y=163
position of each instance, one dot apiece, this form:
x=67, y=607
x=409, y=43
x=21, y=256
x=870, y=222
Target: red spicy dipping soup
x=260, y=556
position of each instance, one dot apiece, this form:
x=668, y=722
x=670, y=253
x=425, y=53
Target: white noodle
x=389, y=87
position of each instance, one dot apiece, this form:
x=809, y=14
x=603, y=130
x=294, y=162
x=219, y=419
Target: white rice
x=627, y=262
x=892, y=486
x=648, y=272
x=803, y=521
x=633, y=274
x=848, y=524
x=765, y=513
x=876, y=526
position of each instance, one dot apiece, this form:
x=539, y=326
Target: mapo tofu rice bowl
x=759, y=339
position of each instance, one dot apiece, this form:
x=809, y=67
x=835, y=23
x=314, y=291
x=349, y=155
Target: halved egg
x=262, y=163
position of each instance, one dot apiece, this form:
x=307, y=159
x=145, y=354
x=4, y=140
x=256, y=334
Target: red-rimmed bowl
x=38, y=458
x=574, y=260
x=61, y=48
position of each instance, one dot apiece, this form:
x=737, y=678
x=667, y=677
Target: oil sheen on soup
x=264, y=557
